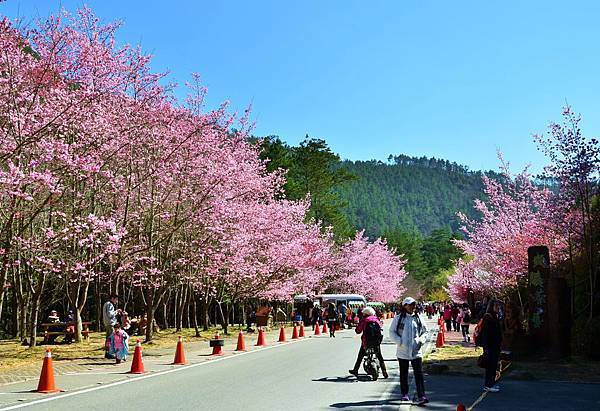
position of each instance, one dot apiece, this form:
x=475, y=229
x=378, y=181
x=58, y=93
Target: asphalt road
x=307, y=375
x=310, y=374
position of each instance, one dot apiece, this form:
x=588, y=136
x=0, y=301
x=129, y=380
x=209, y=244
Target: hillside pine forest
x=410, y=201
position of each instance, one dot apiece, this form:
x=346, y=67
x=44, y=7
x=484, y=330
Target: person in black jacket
x=491, y=338
x=332, y=318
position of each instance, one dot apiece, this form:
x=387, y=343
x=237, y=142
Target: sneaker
x=495, y=388
x=405, y=398
x=422, y=400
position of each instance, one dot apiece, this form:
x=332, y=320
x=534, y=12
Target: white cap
x=409, y=301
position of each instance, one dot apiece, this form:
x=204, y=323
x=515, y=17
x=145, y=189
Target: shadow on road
x=344, y=379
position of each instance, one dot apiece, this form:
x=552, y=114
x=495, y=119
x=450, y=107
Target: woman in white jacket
x=409, y=334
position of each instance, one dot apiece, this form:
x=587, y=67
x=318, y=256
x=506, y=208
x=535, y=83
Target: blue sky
x=451, y=79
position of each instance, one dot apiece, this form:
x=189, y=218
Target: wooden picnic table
x=60, y=328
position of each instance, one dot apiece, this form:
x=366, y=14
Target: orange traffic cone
x=337, y=326
x=261, y=338
x=282, y=334
x=295, y=333
x=325, y=328
x=301, y=334
x=46, y=384
x=317, y=329
x=241, y=344
x=179, y=353
x=460, y=407
x=439, y=342
x=217, y=348
x=137, y=365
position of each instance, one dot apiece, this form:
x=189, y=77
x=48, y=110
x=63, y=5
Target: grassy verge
x=454, y=359
x=459, y=360
x=13, y=354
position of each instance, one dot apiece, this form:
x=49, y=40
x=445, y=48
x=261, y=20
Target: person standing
x=409, y=334
x=370, y=326
x=455, y=312
x=316, y=316
x=332, y=317
x=342, y=312
x=109, y=319
x=465, y=316
x=490, y=338
x=119, y=344
x=448, y=317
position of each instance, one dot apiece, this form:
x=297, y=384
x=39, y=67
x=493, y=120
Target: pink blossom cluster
x=515, y=215
x=103, y=175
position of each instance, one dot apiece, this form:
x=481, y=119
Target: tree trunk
x=224, y=318
x=195, y=316
x=176, y=309
x=205, y=320
x=35, y=304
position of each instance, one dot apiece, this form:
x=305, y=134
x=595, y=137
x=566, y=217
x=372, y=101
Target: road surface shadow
x=390, y=402
x=361, y=377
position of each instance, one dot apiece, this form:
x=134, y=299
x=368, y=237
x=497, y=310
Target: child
x=119, y=344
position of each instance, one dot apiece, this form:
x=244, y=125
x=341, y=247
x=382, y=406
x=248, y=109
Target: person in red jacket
x=368, y=316
x=448, y=317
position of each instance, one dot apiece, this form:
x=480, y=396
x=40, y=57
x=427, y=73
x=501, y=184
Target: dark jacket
x=491, y=333
x=332, y=315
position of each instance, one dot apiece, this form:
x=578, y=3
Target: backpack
x=373, y=334
x=477, y=334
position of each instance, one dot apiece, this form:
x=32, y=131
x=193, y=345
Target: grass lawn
x=463, y=360
x=13, y=354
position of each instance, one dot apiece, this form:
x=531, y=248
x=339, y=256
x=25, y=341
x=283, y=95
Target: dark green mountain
x=409, y=193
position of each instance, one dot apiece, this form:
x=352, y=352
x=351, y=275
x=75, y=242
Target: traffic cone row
x=261, y=338
x=46, y=384
x=137, y=365
x=241, y=343
x=439, y=342
x=282, y=334
x=217, y=349
x=179, y=353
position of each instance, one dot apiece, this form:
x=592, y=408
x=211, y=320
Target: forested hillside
x=409, y=193
x=411, y=202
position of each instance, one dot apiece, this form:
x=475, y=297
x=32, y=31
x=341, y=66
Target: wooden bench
x=62, y=329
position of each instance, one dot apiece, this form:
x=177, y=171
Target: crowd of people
x=409, y=334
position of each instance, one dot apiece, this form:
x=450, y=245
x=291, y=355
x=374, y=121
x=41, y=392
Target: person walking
x=409, y=334
x=447, y=314
x=332, y=317
x=490, y=338
x=109, y=319
x=371, y=328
